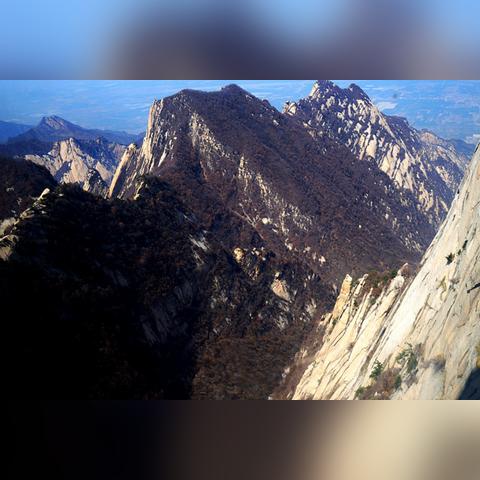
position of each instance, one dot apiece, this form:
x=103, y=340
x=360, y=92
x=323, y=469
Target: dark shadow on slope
x=471, y=391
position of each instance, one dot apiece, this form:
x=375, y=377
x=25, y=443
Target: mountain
x=233, y=156
x=406, y=335
x=76, y=161
x=135, y=299
x=10, y=129
x=53, y=129
x=210, y=269
x=418, y=161
x=21, y=183
x=223, y=240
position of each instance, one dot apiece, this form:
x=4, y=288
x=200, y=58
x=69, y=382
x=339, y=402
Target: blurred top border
x=209, y=39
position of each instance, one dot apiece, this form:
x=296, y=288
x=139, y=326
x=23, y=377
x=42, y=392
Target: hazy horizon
x=450, y=109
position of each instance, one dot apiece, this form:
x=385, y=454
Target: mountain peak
x=358, y=92
x=234, y=89
x=321, y=87
x=53, y=121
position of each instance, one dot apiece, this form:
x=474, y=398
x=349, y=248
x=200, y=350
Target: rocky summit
x=417, y=161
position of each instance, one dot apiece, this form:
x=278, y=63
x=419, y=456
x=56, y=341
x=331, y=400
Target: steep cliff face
x=418, y=161
x=234, y=158
x=402, y=335
x=89, y=163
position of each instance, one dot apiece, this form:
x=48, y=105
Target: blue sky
x=449, y=108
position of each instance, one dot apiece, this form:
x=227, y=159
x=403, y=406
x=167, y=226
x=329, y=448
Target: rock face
x=417, y=161
x=88, y=163
x=404, y=336
x=53, y=129
x=238, y=161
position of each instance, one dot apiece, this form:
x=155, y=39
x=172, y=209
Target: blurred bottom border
x=244, y=440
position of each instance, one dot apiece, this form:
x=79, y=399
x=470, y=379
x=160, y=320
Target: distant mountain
x=10, y=129
x=418, y=161
x=53, y=129
x=76, y=161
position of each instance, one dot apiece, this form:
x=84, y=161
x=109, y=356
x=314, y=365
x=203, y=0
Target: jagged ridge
x=418, y=161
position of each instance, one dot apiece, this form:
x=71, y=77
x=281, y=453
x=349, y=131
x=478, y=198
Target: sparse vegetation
x=382, y=386
x=443, y=284
x=377, y=370
x=461, y=250
x=408, y=358
x=360, y=392
x=450, y=257
x=377, y=281
x=393, y=274
x=438, y=363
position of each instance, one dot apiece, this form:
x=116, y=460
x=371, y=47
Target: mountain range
x=11, y=129
x=203, y=260
x=53, y=128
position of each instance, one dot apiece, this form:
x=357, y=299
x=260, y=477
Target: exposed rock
x=418, y=342
x=73, y=161
x=95, y=184
x=279, y=288
x=418, y=161
x=342, y=297
x=238, y=254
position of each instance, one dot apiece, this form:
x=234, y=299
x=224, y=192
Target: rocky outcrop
x=404, y=336
x=95, y=184
x=417, y=161
x=76, y=161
